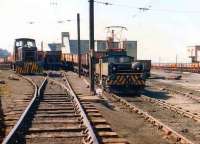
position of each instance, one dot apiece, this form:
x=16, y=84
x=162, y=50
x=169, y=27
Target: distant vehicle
x=52, y=60
x=25, y=56
x=25, y=50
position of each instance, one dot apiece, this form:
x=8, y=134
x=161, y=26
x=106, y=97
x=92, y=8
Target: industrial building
x=71, y=45
x=194, y=53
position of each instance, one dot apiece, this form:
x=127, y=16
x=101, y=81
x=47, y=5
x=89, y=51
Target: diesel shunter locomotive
x=25, y=56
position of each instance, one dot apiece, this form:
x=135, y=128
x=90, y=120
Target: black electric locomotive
x=116, y=69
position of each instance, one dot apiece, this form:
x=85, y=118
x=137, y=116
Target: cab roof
x=25, y=39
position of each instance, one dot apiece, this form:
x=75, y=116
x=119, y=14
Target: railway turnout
x=67, y=90
x=56, y=115
x=52, y=116
x=63, y=110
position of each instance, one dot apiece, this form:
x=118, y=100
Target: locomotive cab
x=25, y=50
x=123, y=64
x=25, y=56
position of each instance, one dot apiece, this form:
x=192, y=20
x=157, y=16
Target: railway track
x=178, y=124
x=182, y=98
x=15, y=110
x=176, y=90
x=37, y=79
x=128, y=125
x=55, y=115
x=175, y=126
x=51, y=117
x=16, y=132
x=101, y=128
x=172, y=107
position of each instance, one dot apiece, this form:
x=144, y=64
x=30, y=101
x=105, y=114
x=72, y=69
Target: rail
x=15, y=132
x=172, y=107
x=152, y=120
x=91, y=132
x=174, y=90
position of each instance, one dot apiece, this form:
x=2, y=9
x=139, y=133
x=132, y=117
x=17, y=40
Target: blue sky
x=164, y=31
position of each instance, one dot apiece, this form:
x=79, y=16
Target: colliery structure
x=115, y=63
x=96, y=92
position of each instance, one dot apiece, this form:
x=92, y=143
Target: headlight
x=137, y=66
x=114, y=68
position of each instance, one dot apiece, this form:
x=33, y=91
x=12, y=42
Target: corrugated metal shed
x=74, y=46
x=100, y=45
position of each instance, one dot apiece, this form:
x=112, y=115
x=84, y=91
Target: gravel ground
x=129, y=126
x=136, y=130
x=183, y=125
x=189, y=81
x=36, y=79
x=174, y=99
x=188, y=84
x=132, y=127
x=13, y=99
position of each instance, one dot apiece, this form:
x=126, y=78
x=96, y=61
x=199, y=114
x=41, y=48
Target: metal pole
x=176, y=62
x=79, y=52
x=91, y=44
x=42, y=45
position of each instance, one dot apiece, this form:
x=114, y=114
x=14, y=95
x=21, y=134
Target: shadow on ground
x=147, y=92
x=156, y=94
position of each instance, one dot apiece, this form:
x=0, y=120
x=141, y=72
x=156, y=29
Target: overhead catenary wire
x=148, y=8
x=141, y=9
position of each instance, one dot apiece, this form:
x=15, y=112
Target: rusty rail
x=156, y=122
x=15, y=132
x=173, y=90
x=92, y=138
x=172, y=107
x=184, y=94
x=167, y=130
